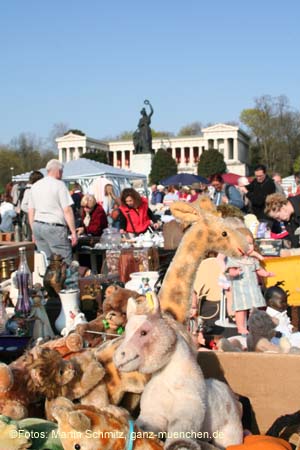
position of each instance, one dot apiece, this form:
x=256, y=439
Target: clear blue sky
x=90, y=64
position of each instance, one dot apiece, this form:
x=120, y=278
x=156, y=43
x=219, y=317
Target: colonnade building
x=229, y=140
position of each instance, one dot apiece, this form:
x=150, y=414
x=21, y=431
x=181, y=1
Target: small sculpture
x=142, y=137
x=72, y=275
x=55, y=275
x=41, y=327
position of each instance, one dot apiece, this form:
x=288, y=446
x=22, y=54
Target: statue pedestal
x=141, y=163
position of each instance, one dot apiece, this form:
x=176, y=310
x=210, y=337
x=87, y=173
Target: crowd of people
x=129, y=212
x=54, y=217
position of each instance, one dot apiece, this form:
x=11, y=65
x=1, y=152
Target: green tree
x=275, y=131
x=100, y=156
x=192, y=129
x=127, y=135
x=161, y=134
x=296, y=165
x=46, y=156
x=75, y=131
x=29, y=148
x=163, y=166
x=124, y=136
x=10, y=164
x=210, y=162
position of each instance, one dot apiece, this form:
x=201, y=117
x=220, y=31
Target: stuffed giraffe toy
x=207, y=232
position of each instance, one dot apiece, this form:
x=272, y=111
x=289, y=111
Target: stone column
x=130, y=159
x=67, y=154
x=235, y=149
x=122, y=159
x=182, y=159
x=226, y=156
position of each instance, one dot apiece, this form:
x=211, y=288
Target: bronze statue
x=142, y=137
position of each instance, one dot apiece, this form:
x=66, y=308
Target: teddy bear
x=33, y=433
x=116, y=298
x=112, y=320
x=103, y=327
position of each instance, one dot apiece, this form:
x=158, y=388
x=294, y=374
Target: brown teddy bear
x=116, y=298
x=103, y=327
x=112, y=320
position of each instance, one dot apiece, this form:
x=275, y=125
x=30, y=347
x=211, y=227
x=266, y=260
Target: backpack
x=227, y=188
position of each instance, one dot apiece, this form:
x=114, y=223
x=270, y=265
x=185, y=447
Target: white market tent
x=87, y=172
x=289, y=183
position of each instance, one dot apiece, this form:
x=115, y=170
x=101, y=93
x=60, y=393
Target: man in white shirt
x=50, y=213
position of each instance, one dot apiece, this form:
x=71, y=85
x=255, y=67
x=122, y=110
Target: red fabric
x=231, y=178
x=139, y=217
x=281, y=235
x=98, y=221
x=255, y=442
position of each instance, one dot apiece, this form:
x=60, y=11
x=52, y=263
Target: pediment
x=71, y=137
x=220, y=127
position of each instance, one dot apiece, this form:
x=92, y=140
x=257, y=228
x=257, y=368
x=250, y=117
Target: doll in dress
x=243, y=274
x=41, y=327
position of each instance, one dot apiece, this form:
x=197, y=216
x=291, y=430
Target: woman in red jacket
x=135, y=215
x=94, y=219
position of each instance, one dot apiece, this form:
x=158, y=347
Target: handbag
x=131, y=223
x=115, y=213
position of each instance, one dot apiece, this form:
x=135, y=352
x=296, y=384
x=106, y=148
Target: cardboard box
x=269, y=380
x=285, y=269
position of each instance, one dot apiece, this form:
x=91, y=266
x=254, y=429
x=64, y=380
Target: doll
x=245, y=288
x=277, y=305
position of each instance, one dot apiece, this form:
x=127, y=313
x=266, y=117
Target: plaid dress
x=246, y=292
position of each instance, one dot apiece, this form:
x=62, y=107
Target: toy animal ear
x=79, y=421
x=152, y=297
x=111, y=289
x=131, y=307
x=60, y=413
x=143, y=304
x=185, y=212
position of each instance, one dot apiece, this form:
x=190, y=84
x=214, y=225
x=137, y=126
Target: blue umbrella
x=182, y=179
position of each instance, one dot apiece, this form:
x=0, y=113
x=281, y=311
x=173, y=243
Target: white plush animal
x=75, y=318
x=177, y=399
